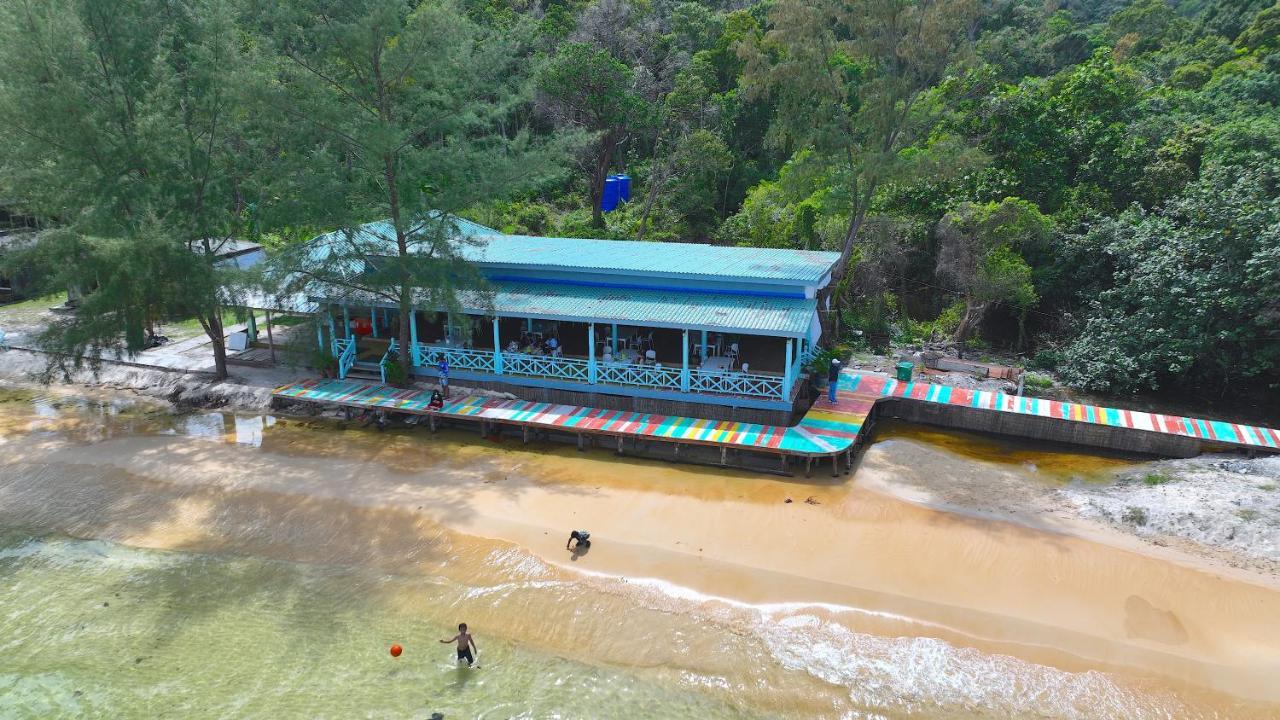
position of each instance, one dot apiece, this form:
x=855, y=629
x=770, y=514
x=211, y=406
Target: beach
x=807, y=598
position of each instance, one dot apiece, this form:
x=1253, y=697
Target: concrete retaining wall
x=1040, y=428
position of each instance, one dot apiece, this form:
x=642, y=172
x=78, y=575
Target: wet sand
x=1043, y=594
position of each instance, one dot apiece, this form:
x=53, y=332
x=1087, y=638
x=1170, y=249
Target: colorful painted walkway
x=829, y=432
x=855, y=385
x=827, y=429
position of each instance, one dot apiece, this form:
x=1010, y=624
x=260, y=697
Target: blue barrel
x=624, y=187
x=611, y=195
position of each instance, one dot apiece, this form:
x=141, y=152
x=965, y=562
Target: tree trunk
x=973, y=312
x=598, y=175
x=406, y=336
x=213, y=328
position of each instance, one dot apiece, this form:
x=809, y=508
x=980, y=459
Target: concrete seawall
x=1040, y=428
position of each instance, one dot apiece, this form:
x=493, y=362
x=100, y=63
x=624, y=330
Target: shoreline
x=981, y=583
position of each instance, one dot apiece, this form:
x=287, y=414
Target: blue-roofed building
x=606, y=323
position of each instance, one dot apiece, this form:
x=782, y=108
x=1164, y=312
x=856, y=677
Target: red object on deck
x=362, y=326
x=396, y=650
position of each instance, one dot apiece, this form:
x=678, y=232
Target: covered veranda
x=681, y=345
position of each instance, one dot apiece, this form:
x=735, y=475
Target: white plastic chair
x=746, y=367
x=651, y=356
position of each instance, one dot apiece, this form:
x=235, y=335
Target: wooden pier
x=829, y=432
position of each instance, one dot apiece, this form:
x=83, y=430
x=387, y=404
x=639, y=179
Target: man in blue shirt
x=443, y=367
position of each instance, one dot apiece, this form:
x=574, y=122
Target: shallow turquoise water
x=93, y=629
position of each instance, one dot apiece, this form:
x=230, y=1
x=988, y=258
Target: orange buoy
x=396, y=650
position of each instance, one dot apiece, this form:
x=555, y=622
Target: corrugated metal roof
x=655, y=258
x=684, y=260
x=648, y=308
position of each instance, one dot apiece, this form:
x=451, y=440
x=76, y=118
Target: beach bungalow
x=703, y=330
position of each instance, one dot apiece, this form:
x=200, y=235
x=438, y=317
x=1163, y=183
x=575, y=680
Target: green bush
x=1156, y=479
x=324, y=361
x=394, y=373
x=1037, y=381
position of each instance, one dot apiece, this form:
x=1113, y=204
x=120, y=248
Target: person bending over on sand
x=466, y=644
x=581, y=537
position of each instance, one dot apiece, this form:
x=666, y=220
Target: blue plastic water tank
x=625, y=187
x=611, y=195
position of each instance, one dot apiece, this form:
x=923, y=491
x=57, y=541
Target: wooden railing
x=345, y=350
x=721, y=382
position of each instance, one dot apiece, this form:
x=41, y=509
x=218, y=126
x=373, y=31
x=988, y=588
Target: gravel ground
x=1225, y=504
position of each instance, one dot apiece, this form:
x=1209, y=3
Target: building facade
x=623, y=322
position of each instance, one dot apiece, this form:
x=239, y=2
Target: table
x=716, y=364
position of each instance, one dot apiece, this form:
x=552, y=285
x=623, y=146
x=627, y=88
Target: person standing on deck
x=443, y=367
x=833, y=380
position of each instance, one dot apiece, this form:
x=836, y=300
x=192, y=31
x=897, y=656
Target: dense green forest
x=1094, y=184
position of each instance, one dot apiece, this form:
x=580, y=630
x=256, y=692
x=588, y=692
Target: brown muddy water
x=232, y=565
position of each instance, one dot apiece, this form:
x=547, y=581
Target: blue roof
x=753, y=315
x=685, y=260
x=675, y=260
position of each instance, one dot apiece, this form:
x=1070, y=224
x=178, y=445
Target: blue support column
x=320, y=336
x=333, y=335
x=497, y=348
x=346, y=323
x=373, y=318
x=251, y=327
x=413, y=337
x=788, y=373
x=684, y=363
x=528, y=325
x=591, y=353
x=614, y=343
x=704, y=346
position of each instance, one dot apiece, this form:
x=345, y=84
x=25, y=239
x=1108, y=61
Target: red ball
x=396, y=650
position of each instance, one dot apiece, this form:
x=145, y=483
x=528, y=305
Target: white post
x=684, y=361
x=497, y=348
x=787, y=378
x=591, y=353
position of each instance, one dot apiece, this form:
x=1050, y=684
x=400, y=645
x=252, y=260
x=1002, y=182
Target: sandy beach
x=871, y=551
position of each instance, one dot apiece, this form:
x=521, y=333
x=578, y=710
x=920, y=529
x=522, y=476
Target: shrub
x=394, y=373
x=1135, y=515
x=1037, y=381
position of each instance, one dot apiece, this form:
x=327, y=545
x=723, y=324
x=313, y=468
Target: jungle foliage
x=1095, y=183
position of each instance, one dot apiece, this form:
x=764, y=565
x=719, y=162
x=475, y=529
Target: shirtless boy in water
x=466, y=644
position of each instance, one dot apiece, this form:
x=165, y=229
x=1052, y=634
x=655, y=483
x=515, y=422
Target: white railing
x=428, y=356
x=558, y=368
x=345, y=350
x=729, y=382
x=666, y=378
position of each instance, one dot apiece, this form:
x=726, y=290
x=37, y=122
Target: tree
x=1194, y=296
x=407, y=112
x=978, y=256
x=127, y=137
x=588, y=89
x=849, y=78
